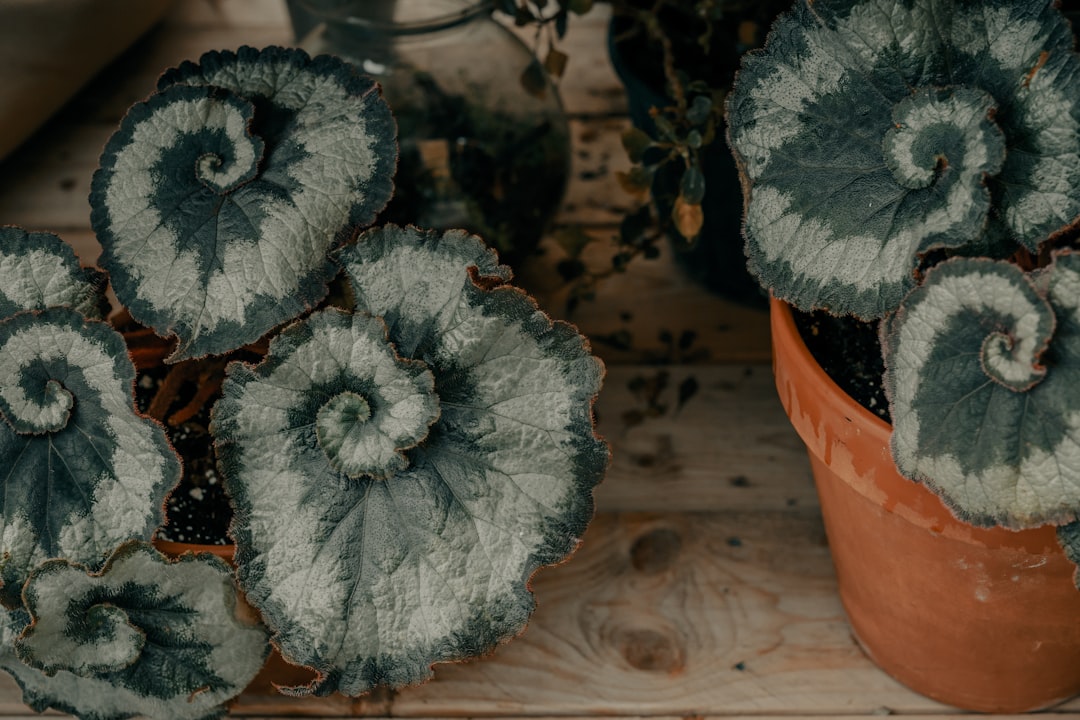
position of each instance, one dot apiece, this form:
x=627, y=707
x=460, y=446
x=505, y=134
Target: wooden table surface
x=704, y=585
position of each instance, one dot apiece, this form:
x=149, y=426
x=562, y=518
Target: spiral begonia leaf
x=371, y=580
x=353, y=403
x=38, y=270
x=82, y=470
x=220, y=196
x=145, y=636
x=981, y=369
x=869, y=133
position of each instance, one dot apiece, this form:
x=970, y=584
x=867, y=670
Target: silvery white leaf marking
x=143, y=637
x=978, y=368
x=837, y=216
x=367, y=406
x=915, y=163
x=82, y=470
x=422, y=303
x=216, y=204
x=39, y=270
x=371, y=581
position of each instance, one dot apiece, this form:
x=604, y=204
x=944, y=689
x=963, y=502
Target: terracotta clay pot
x=984, y=619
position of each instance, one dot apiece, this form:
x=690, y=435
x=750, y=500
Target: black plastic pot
x=716, y=259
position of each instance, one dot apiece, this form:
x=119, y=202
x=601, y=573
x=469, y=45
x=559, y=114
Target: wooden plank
x=729, y=446
x=666, y=613
x=189, y=16
x=678, y=613
x=651, y=313
x=133, y=76
x=874, y=716
x=593, y=194
x=44, y=185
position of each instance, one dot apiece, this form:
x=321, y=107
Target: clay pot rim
x=175, y=549
x=912, y=500
x=791, y=340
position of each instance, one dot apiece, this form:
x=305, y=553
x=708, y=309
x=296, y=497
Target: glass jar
x=477, y=150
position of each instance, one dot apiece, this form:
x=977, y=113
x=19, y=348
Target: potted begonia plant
x=913, y=168
x=400, y=460
x=676, y=60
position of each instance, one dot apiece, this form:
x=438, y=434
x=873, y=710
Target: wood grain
x=677, y=613
x=704, y=587
x=728, y=446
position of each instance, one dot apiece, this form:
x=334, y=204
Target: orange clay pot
x=984, y=619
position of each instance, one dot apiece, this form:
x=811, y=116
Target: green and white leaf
x=360, y=405
x=219, y=197
x=146, y=636
x=1069, y=537
x=870, y=133
x=83, y=471
x=373, y=578
x=981, y=370
x=39, y=270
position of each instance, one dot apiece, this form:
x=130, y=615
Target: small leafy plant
x=677, y=59
x=918, y=164
x=402, y=453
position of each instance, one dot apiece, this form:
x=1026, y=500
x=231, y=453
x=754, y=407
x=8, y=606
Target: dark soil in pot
x=849, y=352
x=197, y=511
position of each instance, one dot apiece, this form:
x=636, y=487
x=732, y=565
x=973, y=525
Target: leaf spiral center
x=342, y=427
x=943, y=130
x=39, y=404
x=55, y=411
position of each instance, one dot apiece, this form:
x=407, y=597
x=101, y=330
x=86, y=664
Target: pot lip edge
x=783, y=324
x=176, y=548
x=784, y=330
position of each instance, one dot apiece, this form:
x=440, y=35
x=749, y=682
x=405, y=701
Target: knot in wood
x=655, y=551
x=652, y=651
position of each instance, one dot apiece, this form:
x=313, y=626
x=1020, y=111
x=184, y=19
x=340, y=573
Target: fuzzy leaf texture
x=219, y=197
x=372, y=577
x=83, y=471
x=38, y=270
x=870, y=132
x=145, y=636
x=982, y=366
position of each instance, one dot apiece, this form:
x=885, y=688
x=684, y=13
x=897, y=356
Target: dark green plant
x=918, y=163
x=686, y=52
x=426, y=444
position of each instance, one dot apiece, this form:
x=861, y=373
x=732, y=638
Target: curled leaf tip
x=220, y=196
x=980, y=363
